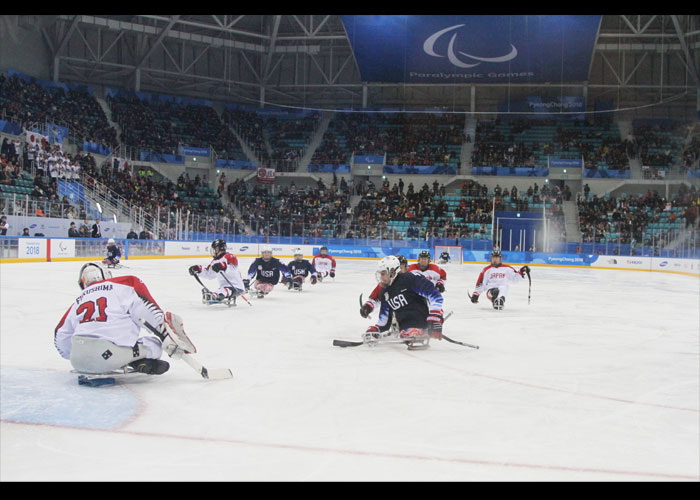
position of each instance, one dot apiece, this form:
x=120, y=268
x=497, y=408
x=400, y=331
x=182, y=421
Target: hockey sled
x=107, y=378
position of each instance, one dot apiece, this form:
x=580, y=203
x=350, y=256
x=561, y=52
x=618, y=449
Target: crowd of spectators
x=493, y=148
x=163, y=126
x=405, y=138
x=630, y=216
x=289, y=137
x=249, y=126
x=313, y=211
x=26, y=103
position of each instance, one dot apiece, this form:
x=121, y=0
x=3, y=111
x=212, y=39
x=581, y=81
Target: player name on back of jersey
x=106, y=287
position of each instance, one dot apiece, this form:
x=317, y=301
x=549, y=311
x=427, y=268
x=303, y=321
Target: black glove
x=366, y=310
x=524, y=270
x=195, y=270
x=218, y=267
x=474, y=298
x=314, y=279
x=440, y=287
x=246, y=284
x=332, y=273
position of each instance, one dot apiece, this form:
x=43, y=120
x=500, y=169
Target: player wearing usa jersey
x=414, y=301
x=267, y=270
x=100, y=331
x=324, y=264
x=495, y=279
x=113, y=254
x=433, y=273
x=224, y=268
x=375, y=296
x=300, y=268
x=445, y=257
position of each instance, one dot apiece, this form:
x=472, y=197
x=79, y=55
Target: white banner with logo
x=30, y=248
x=61, y=248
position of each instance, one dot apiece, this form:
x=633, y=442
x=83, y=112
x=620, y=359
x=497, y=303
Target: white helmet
x=265, y=248
x=389, y=265
x=298, y=253
x=110, y=241
x=91, y=273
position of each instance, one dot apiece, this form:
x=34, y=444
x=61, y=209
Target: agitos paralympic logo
x=453, y=56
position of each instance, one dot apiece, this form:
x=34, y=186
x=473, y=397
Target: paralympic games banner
x=472, y=49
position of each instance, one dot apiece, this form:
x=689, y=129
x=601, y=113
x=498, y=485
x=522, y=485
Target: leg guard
x=96, y=355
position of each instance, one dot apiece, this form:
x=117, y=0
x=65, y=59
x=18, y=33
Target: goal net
x=454, y=252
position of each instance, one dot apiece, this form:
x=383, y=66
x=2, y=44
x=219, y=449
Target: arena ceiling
x=308, y=61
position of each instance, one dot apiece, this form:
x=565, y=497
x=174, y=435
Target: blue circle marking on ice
x=48, y=397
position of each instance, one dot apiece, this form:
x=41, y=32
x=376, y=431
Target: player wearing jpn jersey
x=113, y=254
x=100, y=331
x=414, y=301
x=430, y=271
x=223, y=267
x=324, y=264
x=300, y=268
x=267, y=270
x=495, y=279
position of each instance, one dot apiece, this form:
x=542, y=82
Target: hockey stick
x=529, y=285
x=216, y=374
x=241, y=295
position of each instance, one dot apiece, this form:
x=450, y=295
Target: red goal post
x=454, y=251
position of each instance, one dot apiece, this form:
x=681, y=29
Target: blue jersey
x=268, y=271
x=301, y=268
x=113, y=252
x=411, y=298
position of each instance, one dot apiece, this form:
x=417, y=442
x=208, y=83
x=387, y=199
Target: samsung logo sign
x=663, y=264
x=243, y=249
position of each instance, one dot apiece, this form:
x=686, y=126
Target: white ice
x=597, y=379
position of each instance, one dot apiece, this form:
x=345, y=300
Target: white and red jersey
x=496, y=277
x=111, y=310
x=375, y=297
x=433, y=273
x=323, y=263
x=231, y=272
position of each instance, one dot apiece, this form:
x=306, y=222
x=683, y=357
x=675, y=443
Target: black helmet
x=402, y=260
x=496, y=252
x=424, y=253
x=218, y=246
x=323, y=248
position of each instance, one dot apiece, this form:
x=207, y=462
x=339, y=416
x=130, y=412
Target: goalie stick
x=216, y=374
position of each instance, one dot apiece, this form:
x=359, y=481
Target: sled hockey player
x=413, y=300
x=266, y=270
x=444, y=258
x=300, y=268
x=113, y=254
x=324, y=264
x=430, y=271
x=374, y=300
x=100, y=331
x=224, y=267
x=495, y=279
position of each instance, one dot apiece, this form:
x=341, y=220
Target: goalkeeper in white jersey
x=100, y=331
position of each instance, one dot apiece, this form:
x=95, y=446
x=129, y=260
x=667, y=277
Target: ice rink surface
x=597, y=379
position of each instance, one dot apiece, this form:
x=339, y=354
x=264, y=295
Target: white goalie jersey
x=111, y=310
